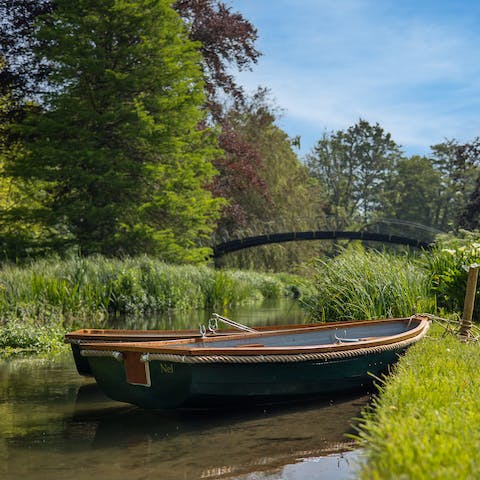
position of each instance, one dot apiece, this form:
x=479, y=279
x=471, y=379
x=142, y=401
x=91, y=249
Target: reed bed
x=425, y=422
x=51, y=294
x=362, y=284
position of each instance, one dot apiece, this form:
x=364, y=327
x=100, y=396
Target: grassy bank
x=425, y=423
x=40, y=301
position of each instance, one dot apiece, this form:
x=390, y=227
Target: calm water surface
x=55, y=424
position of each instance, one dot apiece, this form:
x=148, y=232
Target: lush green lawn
x=425, y=424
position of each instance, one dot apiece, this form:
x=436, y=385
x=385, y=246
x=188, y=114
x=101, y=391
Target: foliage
x=425, y=423
x=118, y=145
x=469, y=160
x=459, y=170
x=21, y=72
x=415, y=191
x=366, y=178
x=17, y=337
x=352, y=168
x=240, y=178
x=87, y=291
x=448, y=264
x=267, y=187
x=226, y=38
x=362, y=284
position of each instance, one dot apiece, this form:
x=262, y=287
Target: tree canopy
x=116, y=142
x=353, y=167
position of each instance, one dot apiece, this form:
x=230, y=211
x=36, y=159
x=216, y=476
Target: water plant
x=363, y=284
x=86, y=291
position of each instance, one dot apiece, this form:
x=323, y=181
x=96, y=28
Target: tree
x=468, y=162
x=118, y=144
x=226, y=38
x=415, y=191
x=21, y=78
x=21, y=72
x=273, y=192
x=353, y=168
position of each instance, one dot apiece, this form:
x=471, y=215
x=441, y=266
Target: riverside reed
x=425, y=421
x=40, y=301
x=364, y=284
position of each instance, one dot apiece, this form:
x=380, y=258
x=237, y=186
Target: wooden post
x=466, y=324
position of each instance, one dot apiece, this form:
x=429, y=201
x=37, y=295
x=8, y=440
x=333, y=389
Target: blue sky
x=413, y=66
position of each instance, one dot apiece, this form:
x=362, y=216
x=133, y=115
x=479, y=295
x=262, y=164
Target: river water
x=55, y=424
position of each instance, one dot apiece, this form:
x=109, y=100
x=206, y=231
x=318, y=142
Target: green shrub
x=86, y=291
x=448, y=265
x=19, y=337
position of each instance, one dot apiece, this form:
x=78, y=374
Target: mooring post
x=466, y=324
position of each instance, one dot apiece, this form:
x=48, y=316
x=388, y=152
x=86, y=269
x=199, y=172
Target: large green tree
x=468, y=164
x=117, y=143
x=353, y=168
x=415, y=191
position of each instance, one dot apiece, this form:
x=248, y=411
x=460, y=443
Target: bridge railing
x=252, y=241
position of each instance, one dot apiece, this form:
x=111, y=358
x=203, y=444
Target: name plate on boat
x=136, y=371
x=166, y=368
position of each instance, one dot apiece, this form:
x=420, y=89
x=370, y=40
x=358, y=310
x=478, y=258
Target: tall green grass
x=425, y=423
x=40, y=301
x=81, y=289
x=363, y=284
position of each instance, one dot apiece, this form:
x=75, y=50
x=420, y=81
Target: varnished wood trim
x=178, y=346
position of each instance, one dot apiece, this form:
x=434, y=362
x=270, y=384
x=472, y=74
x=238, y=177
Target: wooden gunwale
x=177, y=346
x=88, y=334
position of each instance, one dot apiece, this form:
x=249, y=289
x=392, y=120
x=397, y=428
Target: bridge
x=253, y=241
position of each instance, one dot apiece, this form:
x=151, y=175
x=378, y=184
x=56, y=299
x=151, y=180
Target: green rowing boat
x=257, y=367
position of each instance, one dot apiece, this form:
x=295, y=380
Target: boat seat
x=350, y=340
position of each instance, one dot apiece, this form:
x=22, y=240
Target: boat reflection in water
x=57, y=425
x=228, y=443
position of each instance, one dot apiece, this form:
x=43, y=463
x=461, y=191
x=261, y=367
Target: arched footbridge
x=240, y=244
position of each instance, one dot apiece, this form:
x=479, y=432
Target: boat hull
x=176, y=385
x=253, y=367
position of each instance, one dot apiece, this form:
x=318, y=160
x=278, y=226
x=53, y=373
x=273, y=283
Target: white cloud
x=329, y=63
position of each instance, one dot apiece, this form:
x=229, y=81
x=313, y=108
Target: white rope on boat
x=102, y=353
x=282, y=358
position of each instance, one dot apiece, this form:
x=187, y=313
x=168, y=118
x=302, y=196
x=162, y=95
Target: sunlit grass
x=425, y=423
